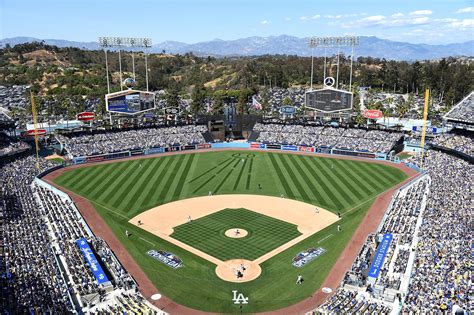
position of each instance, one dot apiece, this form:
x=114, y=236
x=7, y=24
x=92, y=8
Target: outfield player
x=299, y=280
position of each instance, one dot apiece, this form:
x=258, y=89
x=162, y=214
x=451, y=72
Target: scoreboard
x=130, y=102
x=329, y=100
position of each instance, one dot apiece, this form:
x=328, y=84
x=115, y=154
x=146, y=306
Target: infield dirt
x=308, y=218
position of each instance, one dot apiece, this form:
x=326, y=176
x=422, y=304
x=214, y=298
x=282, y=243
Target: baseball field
x=124, y=191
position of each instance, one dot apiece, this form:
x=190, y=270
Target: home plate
x=326, y=290
x=156, y=297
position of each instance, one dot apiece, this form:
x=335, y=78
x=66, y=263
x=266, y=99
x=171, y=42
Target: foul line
x=325, y=238
x=110, y=210
x=146, y=241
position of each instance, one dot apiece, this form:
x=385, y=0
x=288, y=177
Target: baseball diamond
x=207, y=234
x=122, y=191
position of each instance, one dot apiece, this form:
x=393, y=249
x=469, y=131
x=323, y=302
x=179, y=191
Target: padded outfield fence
x=234, y=145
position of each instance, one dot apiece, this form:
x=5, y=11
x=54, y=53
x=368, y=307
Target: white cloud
x=397, y=15
x=466, y=10
x=287, y=19
x=421, y=12
x=264, y=22
x=374, y=18
x=463, y=24
x=303, y=18
x=420, y=20
x=314, y=17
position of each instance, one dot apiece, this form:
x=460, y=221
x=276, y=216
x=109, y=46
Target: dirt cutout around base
x=236, y=233
x=161, y=220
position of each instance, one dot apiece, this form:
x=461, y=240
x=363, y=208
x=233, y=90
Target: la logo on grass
x=239, y=298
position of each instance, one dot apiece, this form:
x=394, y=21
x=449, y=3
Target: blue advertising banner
x=97, y=270
x=288, y=110
x=380, y=256
x=219, y=145
x=154, y=150
x=79, y=160
x=289, y=147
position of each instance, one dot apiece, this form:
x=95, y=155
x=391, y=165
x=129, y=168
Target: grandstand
x=461, y=116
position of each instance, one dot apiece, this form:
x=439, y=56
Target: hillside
x=52, y=70
x=370, y=46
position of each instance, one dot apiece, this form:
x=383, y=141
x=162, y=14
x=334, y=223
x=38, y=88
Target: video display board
x=329, y=100
x=130, y=102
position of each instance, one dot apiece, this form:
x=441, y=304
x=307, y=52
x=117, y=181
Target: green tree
x=287, y=101
x=172, y=96
x=198, y=98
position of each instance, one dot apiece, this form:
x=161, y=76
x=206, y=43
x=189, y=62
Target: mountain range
x=284, y=45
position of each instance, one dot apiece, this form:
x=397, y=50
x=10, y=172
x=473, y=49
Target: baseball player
x=299, y=280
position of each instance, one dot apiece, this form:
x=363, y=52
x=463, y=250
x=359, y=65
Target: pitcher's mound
x=236, y=233
x=238, y=270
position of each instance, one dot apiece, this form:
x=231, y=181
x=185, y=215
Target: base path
x=161, y=221
x=148, y=289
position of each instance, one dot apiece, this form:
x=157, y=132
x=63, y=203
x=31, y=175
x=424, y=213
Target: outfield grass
x=121, y=190
x=207, y=234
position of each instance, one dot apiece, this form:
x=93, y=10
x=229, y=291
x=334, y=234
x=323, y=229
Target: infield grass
x=207, y=234
x=121, y=190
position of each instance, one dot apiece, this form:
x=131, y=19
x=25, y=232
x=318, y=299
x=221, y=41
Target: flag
x=256, y=104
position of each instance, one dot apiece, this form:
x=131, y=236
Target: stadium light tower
x=328, y=42
x=125, y=42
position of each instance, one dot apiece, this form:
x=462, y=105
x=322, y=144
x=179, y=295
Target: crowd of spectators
x=392, y=101
x=442, y=274
x=42, y=270
x=341, y=138
x=277, y=97
x=456, y=142
x=108, y=142
x=463, y=111
x=66, y=226
x=14, y=96
x=9, y=146
x=352, y=302
x=31, y=279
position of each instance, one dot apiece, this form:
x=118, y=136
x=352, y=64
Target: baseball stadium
x=265, y=175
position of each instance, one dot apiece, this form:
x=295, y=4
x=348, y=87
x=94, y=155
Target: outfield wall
x=235, y=145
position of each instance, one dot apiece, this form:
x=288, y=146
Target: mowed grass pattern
x=123, y=189
x=207, y=234
x=130, y=187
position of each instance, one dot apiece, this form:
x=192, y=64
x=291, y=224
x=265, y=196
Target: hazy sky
x=433, y=21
